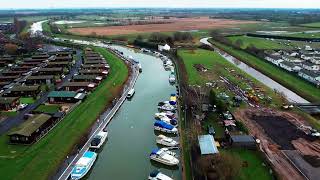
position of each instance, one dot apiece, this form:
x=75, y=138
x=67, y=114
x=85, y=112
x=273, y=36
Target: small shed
x=207, y=145
x=243, y=141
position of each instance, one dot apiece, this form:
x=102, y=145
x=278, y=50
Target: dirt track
x=170, y=25
x=270, y=137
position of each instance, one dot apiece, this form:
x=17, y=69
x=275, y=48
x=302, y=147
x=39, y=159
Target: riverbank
x=299, y=86
x=44, y=157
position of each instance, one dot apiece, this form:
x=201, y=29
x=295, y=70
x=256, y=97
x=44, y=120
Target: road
x=10, y=122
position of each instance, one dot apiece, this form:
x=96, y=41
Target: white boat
x=164, y=156
x=163, y=114
x=172, y=78
x=140, y=67
x=166, y=141
x=98, y=140
x=157, y=175
x=165, y=127
x=167, y=107
x=130, y=93
x=83, y=165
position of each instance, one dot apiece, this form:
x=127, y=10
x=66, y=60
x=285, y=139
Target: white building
x=311, y=76
x=290, y=66
x=276, y=60
x=310, y=66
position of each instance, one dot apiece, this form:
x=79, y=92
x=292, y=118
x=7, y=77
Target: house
x=8, y=78
x=310, y=66
x=290, y=66
x=53, y=64
x=93, y=72
x=96, y=66
x=32, y=129
x=276, y=60
x=28, y=60
x=65, y=97
x=46, y=79
x=87, y=78
x=50, y=71
x=8, y=103
x=18, y=90
x=242, y=141
x=40, y=56
x=76, y=86
x=13, y=73
x=22, y=68
x=311, y=76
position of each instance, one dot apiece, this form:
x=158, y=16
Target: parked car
x=22, y=106
x=211, y=130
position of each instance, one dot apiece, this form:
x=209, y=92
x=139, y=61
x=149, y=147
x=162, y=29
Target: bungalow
x=8, y=103
x=311, y=76
x=64, y=97
x=8, y=78
x=95, y=62
x=22, y=68
x=315, y=60
x=310, y=66
x=34, y=60
x=274, y=59
x=3, y=84
x=63, y=58
x=32, y=129
x=58, y=64
x=29, y=63
x=292, y=59
x=33, y=80
x=31, y=91
x=40, y=56
x=242, y=141
x=76, y=86
x=93, y=72
x=96, y=66
x=290, y=66
x=50, y=71
x=87, y=78
x=13, y=73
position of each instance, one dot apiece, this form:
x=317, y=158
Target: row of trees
x=170, y=39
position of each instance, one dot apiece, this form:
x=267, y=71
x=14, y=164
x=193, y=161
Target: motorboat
x=157, y=175
x=172, y=103
x=83, y=165
x=130, y=93
x=168, y=114
x=140, y=67
x=165, y=127
x=164, y=156
x=98, y=140
x=167, y=107
x=166, y=141
x=172, y=78
x=167, y=120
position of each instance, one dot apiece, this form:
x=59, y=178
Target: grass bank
x=41, y=160
x=291, y=81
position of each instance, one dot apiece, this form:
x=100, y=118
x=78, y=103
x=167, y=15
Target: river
x=290, y=95
x=131, y=136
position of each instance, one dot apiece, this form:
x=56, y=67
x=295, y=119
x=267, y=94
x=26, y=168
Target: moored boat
x=164, y=156
x=130, y=93
x=83, y=165
x=166, y=141
x=157, y=175
x=165, y=127
x=167, y=107
x=172, y=78
x=98, y=140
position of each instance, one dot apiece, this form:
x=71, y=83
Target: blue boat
x=83, y=165
x=165, y=127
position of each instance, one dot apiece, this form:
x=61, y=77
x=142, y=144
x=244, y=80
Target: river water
x=290, y=95
x=131, y=136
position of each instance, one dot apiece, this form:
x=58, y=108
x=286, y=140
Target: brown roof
x=40, y=77
x=76, y=84
x=50, y=69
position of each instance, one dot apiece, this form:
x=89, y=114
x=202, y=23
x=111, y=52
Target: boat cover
x=163, y=125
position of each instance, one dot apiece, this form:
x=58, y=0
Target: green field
x=41, y=160
x=27, y=100
x=313, y=25
x=48, y=108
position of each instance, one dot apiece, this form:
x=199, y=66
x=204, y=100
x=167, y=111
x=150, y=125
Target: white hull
x=87, y=170
x=153, y=157
x=103, y=139
x=165, y=130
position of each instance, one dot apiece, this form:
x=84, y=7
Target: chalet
x=242, y=141
x=22, y=68
x=8, y=78
x=95, y=62
x=13, y=73
x=274, y=59
x=40, y=56
x=50, y=71
x=65, y=97
x=29, y=63
x=31, y=91
x=76, y=86
x=32, y=129
x=93, y=72
x=311, y=76
x=8, y=103
x=310, y=66
x=87, y=78
x=63, y=58
x=96, y=66
x=315, y=60
x=28, y=60
x=34, y=80
x=290, y=66
x=4, y=84
x=62, y=64
x=292, y=59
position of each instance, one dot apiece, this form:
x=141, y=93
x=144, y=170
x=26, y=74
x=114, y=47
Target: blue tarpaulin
x=207, y=145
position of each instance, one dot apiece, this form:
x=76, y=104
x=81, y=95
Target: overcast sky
x=28, y=4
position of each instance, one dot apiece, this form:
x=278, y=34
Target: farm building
x=33, y=80
x=65, y=97
x=87, y=78
x=32, y=129
x=243, y=141
x=31, y=91
x=8, y=103
x=76, y=86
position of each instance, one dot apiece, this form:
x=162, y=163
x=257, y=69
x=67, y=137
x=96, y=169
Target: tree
x=212, y=97
x=10, y=48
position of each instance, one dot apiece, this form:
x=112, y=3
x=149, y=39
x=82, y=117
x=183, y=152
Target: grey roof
x=290, y=64
x=313, y=74
x=242, y=138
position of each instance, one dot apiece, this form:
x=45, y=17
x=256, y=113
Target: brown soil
x=169, y=25
x=269, y=137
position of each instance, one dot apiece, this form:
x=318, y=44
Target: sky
x=45, y=4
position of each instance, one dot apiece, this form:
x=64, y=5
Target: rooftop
x=207, y=145
x=8, y=100
x=25, y=88
x=63, y=94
